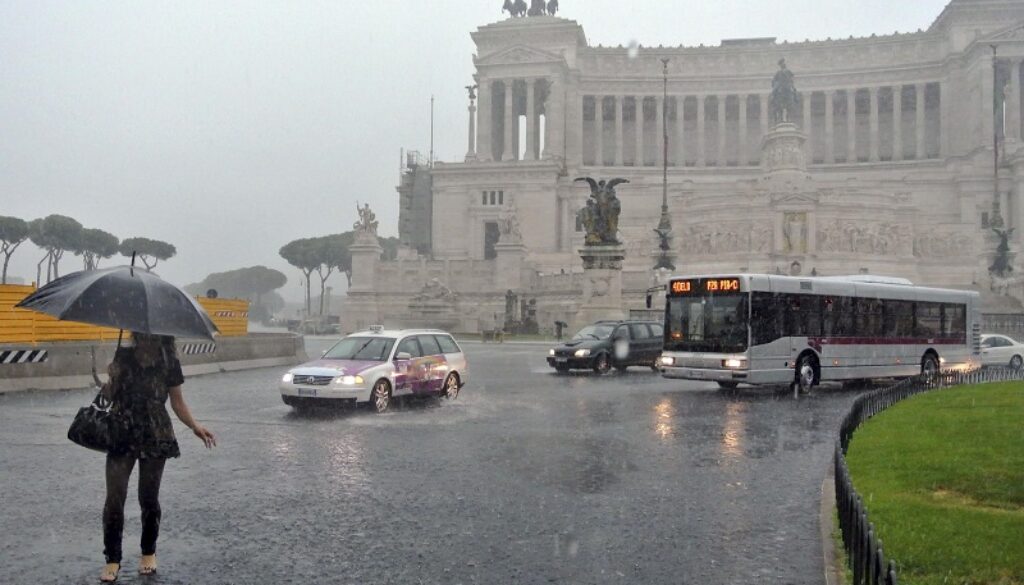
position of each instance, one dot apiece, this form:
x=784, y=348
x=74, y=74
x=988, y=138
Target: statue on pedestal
x=1001, y=265
x=785, y=99
x=367, y=223
x=600, y=217
x=508, y=227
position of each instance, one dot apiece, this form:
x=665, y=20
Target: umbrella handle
x=95, y=377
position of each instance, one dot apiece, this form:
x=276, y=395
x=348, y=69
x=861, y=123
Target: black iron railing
x=864, y=551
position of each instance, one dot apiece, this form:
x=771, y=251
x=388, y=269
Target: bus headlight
x=734, y=363
x=349, y=380
x=667, y=360
x=582, y=352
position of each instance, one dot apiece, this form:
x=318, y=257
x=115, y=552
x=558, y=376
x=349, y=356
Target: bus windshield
x=707, y=323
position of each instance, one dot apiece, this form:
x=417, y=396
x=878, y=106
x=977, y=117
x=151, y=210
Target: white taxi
x=375, y=366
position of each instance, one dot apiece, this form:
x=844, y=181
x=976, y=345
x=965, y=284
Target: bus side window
x=766, y=317
x=955, y=321
x=927, y=319
x=838, y=316
x=899, y=318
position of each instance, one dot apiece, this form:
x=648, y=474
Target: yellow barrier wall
x=231, y=316
x=22, y=326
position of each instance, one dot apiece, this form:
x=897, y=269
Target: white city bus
x=767, y=329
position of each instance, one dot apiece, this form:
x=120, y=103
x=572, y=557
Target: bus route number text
x=722, y=285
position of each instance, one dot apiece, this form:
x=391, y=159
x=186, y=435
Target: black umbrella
x=123, y=297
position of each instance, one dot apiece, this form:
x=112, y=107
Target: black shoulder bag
x=98, y=426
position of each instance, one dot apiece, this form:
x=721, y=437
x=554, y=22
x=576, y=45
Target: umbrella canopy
x=123, y=297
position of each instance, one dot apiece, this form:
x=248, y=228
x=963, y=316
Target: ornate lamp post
x=664, y=229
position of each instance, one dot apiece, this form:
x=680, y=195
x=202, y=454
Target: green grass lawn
x=942, y=476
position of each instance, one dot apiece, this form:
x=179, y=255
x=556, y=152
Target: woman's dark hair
x=168, y=350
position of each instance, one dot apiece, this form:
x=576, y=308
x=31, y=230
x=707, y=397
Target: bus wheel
x=728, y=385
x=806, y=373
x=929, y=367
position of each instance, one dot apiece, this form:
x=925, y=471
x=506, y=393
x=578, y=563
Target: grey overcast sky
x=230, y=128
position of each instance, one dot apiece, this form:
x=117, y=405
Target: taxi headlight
x=582, y=352
x=734, y=363
x=287, y=377
x=667, y=360
x=349, y=380
x=551, y=351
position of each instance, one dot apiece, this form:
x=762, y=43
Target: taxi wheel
x=381, y=396
x=451, y=387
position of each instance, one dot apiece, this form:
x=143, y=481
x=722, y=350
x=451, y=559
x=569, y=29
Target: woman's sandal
x=109, y=573
x=147, y=565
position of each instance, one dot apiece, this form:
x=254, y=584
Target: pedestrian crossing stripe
x=23, y=356
x=198, y=348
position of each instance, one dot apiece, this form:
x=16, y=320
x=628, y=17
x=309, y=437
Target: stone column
x=599, y=130
x=507, y=153
x=1012, y=105
x=701, y=154
x=744, y=156
x=806, y=129
x=897, y=122
x=470, y=147
x=919, y=121
x=659, y=119
x=680, y=154
x=851, y=125
x=720, y=155
x=554, y=124
x=764, y=98
x=618, y=130
x=830, y=123
x=639, y=132
x=531, y=120
x=873, y=148
x=483, y=132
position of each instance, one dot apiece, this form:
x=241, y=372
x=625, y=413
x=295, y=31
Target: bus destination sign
x=698, y=286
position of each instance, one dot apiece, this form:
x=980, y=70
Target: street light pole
x=664, y=229
x=996, y=220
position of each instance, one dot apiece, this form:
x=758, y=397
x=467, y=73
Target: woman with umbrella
x=142, y=378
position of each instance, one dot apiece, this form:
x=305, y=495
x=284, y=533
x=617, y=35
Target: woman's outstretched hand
x=205, y=436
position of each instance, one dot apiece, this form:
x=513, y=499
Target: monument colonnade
x=713, y=121
x=501, y=103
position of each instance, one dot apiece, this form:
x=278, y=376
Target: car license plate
x=697, y=374
x=307, y=392
x=561, y=360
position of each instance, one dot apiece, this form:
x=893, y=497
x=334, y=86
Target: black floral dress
x=141, y=394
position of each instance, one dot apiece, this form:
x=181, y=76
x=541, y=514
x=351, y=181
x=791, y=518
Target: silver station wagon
x=377, y=365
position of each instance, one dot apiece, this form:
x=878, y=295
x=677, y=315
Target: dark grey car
x=610, y=344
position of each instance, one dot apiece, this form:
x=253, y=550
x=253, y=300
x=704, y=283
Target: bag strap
x=102, y=402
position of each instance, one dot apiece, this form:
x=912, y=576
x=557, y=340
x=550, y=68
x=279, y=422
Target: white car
x=376, y=365
x=1000, y=350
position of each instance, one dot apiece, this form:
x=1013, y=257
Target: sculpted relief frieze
x=878, y=239
x=725, y=238
x=942, y=244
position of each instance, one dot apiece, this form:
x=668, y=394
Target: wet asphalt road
x=528, y=477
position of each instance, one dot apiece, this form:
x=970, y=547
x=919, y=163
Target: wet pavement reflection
x=527, y=477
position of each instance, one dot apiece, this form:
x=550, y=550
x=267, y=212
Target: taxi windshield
x=374, y=349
